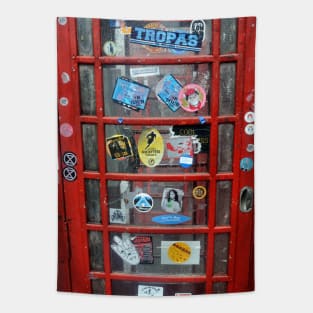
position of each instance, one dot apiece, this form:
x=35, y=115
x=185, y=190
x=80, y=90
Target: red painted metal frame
x=240, y=274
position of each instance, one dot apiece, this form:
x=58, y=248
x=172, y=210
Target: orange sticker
x=199, y=192
x=179, y=252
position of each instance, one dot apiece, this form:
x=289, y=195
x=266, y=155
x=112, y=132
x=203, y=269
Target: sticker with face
x=192, y=98
x=126, y=250
x=172, y=200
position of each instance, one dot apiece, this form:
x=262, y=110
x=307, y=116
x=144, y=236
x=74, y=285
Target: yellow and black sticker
x=119, y=147
x=179, y=252
x=199, y=192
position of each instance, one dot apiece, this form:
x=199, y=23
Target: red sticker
x=192, y=98
x=66, y=130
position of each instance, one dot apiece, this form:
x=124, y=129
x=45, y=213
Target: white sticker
x=144, y=71
x=249, y=129
x=249, y=117
x=118, y=216
x=150, y=291
x=172, y=200
x=126, y=250
x=180, y=252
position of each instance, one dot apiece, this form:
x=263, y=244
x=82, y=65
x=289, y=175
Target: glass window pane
x=90, y=145
x=220, y=287
x=92, y=188
x=225, y=147
x=87, y=89
x=95, y=250
x=223, y=202
x=84, y=36
x=227, y=88
x=98, y=286
x=221, y=243
x=228, y=35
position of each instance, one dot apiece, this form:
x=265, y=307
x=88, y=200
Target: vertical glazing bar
x=213, y=151
x=102, y=152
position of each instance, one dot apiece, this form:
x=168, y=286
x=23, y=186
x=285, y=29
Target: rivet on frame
x=62, y=20
x=65, y=77
x=63, y=101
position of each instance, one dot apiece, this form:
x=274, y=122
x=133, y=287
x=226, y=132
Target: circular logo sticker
x=199, y=192
x=179, y=252
x=66, y=130
x=249, y=117
x=70, y=159
x=192, y=98
x=246, y=164
x=151, y=147
x=109, y=48
x=249, y=129
x=250, y=147
x=69, y=174
x=143, y=202
x=63, y=101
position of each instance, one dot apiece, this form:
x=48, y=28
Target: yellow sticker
x=179, y=252
x=126, y=30
x=151, y=147
x=199, y=192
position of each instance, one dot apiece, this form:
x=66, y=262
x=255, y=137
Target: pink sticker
x=192, y=98
x=66, y=130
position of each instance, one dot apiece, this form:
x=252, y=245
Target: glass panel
x=227, y=88
x=95, y=250
x=221, y=243
x=92, y=188
x=84, y=36
x=133, y=288
x=98, y=286
x=163, y=254
x=228, y=35
x=155, y=38
x=87, y=89
x=220, y=287
x=157, y=149
x=223, y=201
x=90, y=145
x=225, y=147
x=155, y=90
x=169, y=203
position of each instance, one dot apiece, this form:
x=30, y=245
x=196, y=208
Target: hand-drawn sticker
x=246, y=164
x=119, y=147
x=149, y=291
x=70, y=159
x=144, y=247
x=180, y=252
x=109, y=48
x=249, y=117
x=144, y=71
x=69, y=174
x=172, y=200
x=118, y=216
x=249, y=129
x=250, y=147
x=150, y=147
x=192, y=98
x=178, y=145
x=198, y=27
x=171, y=219
x=143, y=202
x=167, y=91
x=201, y=132
x=131, y=94
x=66, y=130
x=165, y=39
x=199, y=192
x=126, y=250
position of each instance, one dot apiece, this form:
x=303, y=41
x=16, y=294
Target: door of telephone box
x=156, y=156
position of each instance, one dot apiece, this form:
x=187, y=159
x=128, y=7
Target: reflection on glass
x=223, y=201
x=225, y=147
x=95, y=250
x=221, y=243
x=87, y=89
x=90, y=145
x=92, y=188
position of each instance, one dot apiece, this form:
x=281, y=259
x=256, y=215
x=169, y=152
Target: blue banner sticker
x=166, y=39
x=171, y=219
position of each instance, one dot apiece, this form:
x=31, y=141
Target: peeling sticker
x=66, y=130
x=125, y=250
x=192, y=98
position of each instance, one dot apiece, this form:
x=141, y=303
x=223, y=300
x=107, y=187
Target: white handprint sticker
x=126, y=250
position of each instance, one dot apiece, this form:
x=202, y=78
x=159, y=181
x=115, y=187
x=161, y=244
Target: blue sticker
x=143, y=202
x=246, y=164
x=185, y=160
x=166, y=39
x=169, y=92
x=171, y=219
x=130, y=93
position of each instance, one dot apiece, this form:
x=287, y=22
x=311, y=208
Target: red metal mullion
x=101, y=151
x=213, y=151
x=70, y=114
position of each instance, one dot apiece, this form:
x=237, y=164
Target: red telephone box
x=156, y=149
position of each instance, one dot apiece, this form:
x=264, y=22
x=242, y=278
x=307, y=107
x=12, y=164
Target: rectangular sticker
x=144, y=71
x=150, y=291
x=166, y=39
x=118, y=216
x=131, y=94
x=143, y=245
x=180, y=252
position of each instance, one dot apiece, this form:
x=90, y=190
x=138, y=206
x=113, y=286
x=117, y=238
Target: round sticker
x=69, y=174
x=249, y=129
x=66, y=130
x=179, y=252
x=109, y=48
x=192, y=98
x=70, y=159
x=151, y=147
x=62, y=20
x=246, y=164
x=64, y=101
x=249, y=117
x=199, y=192
x=143, y=202
x=250, y=147
x=185, y=160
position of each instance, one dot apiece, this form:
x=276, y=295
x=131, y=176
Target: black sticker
x=119, y=147
x=70, y=159
x=69, y=174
